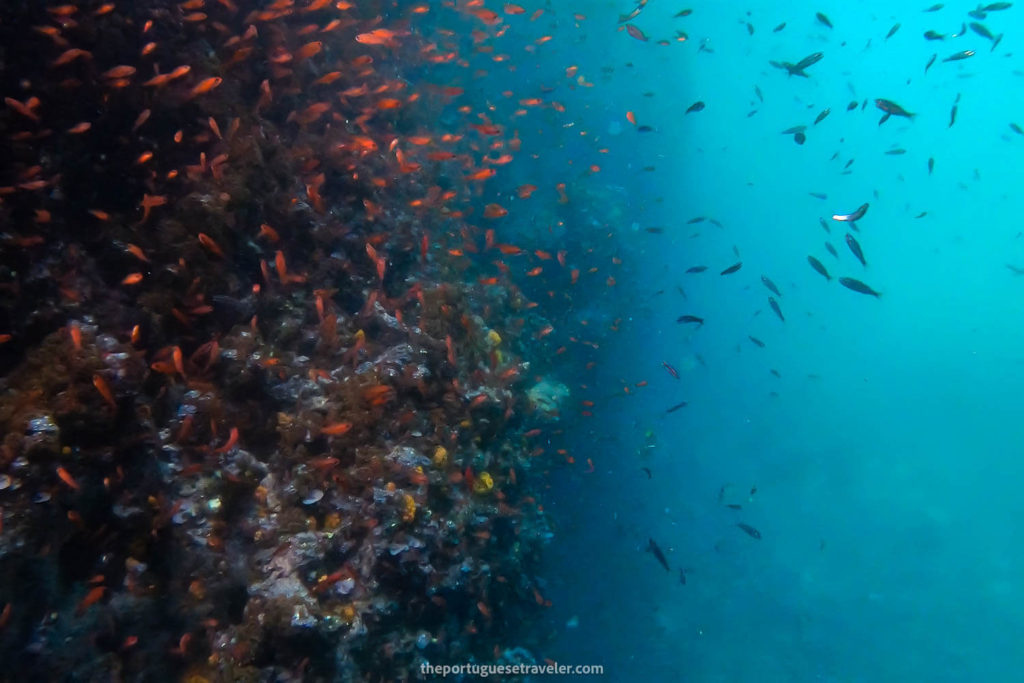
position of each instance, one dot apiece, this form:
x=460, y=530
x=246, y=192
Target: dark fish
x=756, y=341
x=931, y=165
x=794, y=129
x=818, y=195
x=935, y=8
x=683, y=13
x=1015, y=270
x=721, y=491
x=676, y=407
x=849, y=163
x=818, y=266
x=671, y=370
x=715, y=222
x=933, y=35
x=757, y=91
x=858, y=286
x=656, y=231
x=854, y=246
x=799, y=138
x=831, y=249
x=996, y=6
x=779, y=27
x=644, y=129
x=982, y=30
x=750, y=531
x=696, y=106
x=921, y=215
x=770, y=285
x=821, y=117
x=957, y=56
x=660, y=556
x=697, y=219
x=952, y=116
x=1016, y=129
x=775, y=307
x=825, y=225
x=890, y=107
x=995, y=43
x=978, y=13
x=851, y=106
x=682, y=292
x=895, y=27
x=930, y=62
x=823, y=19
x=753, y=490
x=734, y=506
x=775, y=373
x=852, y=217
x=750, y=29
x=896, y=152
x=648, y=169
x=696, y=269
x=810, y=59
x=690, y=319
x=648, y=471
x=732, y=269
x=736, y=250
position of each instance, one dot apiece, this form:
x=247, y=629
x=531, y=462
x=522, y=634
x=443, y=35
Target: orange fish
x=495, y=211
x=90, y=599
x=231, y=442
x=210, y=245
x=380, y=36
x=205, y=86
x=336, y=429
x=66, y=477
x=104, y=389
x=132, y=279
x=79, y=128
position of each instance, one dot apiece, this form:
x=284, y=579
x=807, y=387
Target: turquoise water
x=886, y=453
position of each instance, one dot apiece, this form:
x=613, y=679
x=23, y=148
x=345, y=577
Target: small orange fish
x=90, y=599
x=76, y=336
x=210, y=245
x=132, y=279
x=104, y=389
x=231, y=442
x=205, y=86
x=66, y=477
x=79, y=128
x=336, y=429
x=495, y=211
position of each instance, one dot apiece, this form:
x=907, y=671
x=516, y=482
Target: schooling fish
x=732, y=269
x=818, y=266
x=770, y=285
x=696, y=106
x=750, y=531
x=935, y=8
x=891, y=109
x=696, y=269
x=933, y=35
x=930, y=62
x=957, y=56
x=852, y=217
x=821, y=117
x=854, y=246
x=676, y=407
x=757, y=341
x=895, y=27
x=823, y=19
x=858, y=286
x=671, y=370
x=690, y=319
x=775, y=307
x=825, y=225
x=831, y=249
x=660, y=556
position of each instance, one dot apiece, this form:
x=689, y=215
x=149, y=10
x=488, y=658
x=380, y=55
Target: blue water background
x=888, y=454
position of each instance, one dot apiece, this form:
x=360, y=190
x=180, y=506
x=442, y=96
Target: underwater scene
x=461, y=339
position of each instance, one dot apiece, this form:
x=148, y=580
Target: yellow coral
x=494, y=338
x=440, y=456
x=484, y=483
x=410, y=509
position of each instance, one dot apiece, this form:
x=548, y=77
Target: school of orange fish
x=266, y=353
